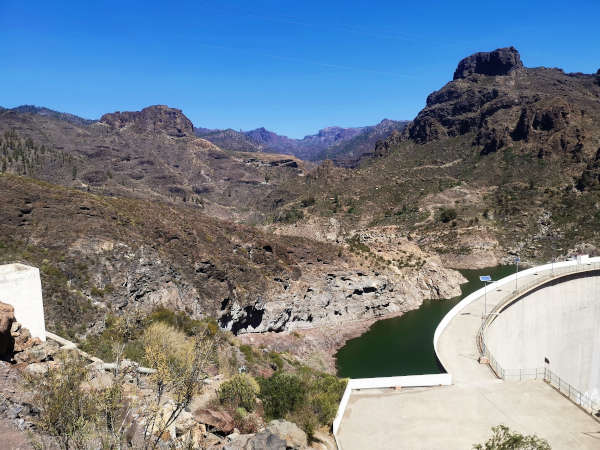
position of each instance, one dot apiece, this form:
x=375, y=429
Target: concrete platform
x=458, y=416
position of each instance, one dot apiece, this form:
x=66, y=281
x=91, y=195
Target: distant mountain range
x=71, y=118
x=344, y=145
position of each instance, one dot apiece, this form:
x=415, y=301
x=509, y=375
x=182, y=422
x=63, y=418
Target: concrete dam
x=555, y=326
x=522, y=351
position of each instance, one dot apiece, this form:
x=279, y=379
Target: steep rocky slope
x=98, y=253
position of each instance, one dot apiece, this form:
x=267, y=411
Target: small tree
x=67, y=411
x=505, y=439
x=180, y=363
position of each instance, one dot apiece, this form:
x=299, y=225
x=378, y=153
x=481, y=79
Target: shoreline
x=316, y=346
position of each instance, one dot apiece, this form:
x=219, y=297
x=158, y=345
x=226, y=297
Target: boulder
x=37, y=353
x=7, y=317
x=293, y=436
x=219, y=420
x=498, y=62
x=37, y=368
x=264, y=440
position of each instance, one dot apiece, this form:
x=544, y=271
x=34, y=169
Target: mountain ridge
x=345, y=145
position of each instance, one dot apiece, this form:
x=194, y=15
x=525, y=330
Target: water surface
x=404, y=345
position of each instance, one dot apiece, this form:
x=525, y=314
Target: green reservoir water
x=404, y=345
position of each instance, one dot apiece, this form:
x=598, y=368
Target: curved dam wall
x=558, y=321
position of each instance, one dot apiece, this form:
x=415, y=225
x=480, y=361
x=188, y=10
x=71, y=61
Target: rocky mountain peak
x=262, y=135
x=498, y=62
x=153, y=119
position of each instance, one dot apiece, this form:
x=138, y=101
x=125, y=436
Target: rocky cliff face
x=341, y=296
x=498, y=62
x=543, y=111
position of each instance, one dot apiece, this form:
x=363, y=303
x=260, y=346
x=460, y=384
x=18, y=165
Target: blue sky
x=292, y=67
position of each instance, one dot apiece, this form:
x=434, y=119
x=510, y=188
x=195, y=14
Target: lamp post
x=517, y=261
x=485, y=279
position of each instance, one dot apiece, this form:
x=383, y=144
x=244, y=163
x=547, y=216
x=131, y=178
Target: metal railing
x=584, y=400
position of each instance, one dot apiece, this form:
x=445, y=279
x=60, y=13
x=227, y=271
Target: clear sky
x=290, y=66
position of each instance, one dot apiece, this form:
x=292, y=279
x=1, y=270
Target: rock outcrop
x=340, y=296
x=263, y=440
x=498, y=62
x=152, y=119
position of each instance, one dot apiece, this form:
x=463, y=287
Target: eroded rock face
x=340, y=296
x=498, y=62
x=153, y=118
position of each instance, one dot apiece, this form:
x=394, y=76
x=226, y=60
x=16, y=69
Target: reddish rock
x=220, y=420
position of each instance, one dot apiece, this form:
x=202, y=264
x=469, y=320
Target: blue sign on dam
x=404, y=345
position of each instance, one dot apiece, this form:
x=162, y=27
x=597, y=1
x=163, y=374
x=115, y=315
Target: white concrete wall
x=20, y=286
x=561, y=322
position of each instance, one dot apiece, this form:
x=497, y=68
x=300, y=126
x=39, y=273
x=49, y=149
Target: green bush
x=505, y=439
x=447, y=215
x=239, y=391
x=309, y=201
x=276, y=359
x=248, y=352
x=282, y=394
x=307, y=398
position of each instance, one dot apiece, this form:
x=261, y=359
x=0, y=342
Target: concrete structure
x=458, y=416
x=556, y=326
x=462, y=414
x=20, y=286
